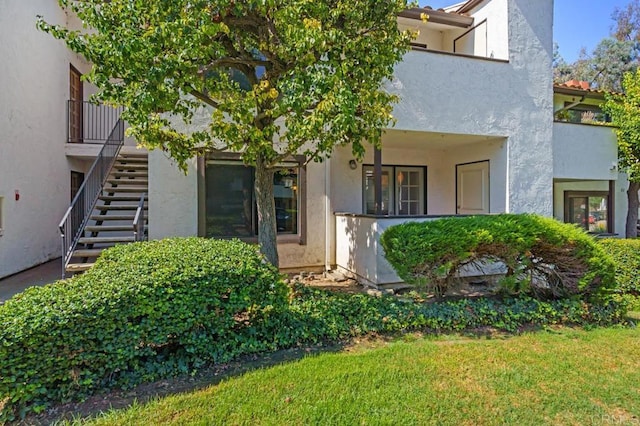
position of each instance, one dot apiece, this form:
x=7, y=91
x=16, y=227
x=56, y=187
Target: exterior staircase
x=119, y=214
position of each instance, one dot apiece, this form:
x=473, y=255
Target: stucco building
x=480, y=129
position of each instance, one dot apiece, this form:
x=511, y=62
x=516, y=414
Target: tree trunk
x=266, y=212
x=632, y=210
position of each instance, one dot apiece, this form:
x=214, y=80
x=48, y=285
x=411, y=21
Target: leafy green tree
x=276, y=77
x=625, y=114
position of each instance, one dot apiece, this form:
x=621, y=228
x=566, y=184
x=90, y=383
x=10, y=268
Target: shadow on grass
x=121, y=399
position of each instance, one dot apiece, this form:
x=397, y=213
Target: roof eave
x=438, y=17
x=468, y=6
x=574, y=91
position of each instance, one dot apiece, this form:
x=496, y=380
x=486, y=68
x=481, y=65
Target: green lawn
x=565, y=378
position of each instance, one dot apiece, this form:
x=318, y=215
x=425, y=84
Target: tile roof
x=575, y=87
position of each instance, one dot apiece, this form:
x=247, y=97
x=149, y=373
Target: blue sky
x=577, y=23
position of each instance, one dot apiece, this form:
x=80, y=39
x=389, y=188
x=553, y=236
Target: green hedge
x=626, y=255
x=319, y=315
x=144, y=311
x=545, y=258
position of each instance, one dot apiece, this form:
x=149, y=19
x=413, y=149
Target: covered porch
x=415, y=176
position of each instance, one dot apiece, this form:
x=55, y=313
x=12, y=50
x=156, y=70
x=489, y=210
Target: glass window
x=588, y=210
x=230, y=206
x=403, y=190
x=370, y=192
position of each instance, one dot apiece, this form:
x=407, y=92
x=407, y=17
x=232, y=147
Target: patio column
x=377, y=180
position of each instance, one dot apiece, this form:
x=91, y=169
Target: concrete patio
x=37, y=276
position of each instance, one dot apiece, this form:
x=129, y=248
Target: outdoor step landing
x=139, y=189
x=78, y=267
x=104, y=217
x=132, y=160
x=119, y=166
x=108, y=228
x=128, y=181
x=122, y=197
x=127, y=207
x=130, y=174
x=99, y=240
x=87, y=252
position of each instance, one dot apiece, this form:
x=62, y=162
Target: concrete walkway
x=39, y=275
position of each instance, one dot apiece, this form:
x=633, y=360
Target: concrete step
x=139, y=154
x=78, y=267
x=104, y=217
x=122, y=197
x=108, y=228
x=128, y=181
x=130, y=174
x=132, y=160
x=138, y=189
x=87, y=252
x=121, y=166
x=127, y=207
x=105, y=240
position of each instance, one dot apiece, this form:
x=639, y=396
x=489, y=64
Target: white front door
x=472, y=191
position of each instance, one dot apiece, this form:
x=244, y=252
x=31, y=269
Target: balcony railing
x=89, y=122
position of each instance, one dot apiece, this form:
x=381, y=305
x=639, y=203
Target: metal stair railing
x=139, y=220
x=75, y=219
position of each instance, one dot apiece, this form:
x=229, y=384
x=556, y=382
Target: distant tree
x=562, y=71
x=627, y=22
x=603, y=68
x=276, y=77
x=625, y=114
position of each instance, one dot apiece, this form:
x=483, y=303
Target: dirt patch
x=328, y=281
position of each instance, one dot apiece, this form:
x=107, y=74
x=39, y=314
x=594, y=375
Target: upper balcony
x=483, y=34
x=89, y=125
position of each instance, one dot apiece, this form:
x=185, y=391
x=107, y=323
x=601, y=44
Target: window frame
x=568, y=195
x=393, y=188
x=300, y=237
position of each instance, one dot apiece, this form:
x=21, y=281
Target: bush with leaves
x=544, y=258
x=144, y=311
x=626, y=255
x=318, y=315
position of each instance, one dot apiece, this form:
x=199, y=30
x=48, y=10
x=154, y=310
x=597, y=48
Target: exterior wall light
x=353, y=165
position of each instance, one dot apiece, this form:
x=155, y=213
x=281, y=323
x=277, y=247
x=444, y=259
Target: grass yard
x=567, y=377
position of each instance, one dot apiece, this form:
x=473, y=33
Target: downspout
x=327, y=216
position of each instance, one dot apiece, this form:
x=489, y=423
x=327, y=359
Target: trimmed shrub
x=144, y=311
x=324, y=316
x=544, y=258
x=626, y=255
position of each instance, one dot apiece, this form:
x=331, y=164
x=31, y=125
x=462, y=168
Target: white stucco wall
x=491, y=39
x=449, y=94
x=582, y=151
x=34, y=85
x=173, y=198
x=358, y=248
